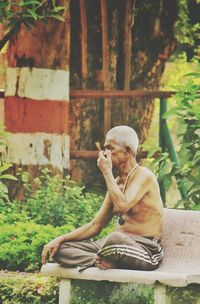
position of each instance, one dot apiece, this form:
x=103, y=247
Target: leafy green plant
x=24, y=289
x=187, y=114
x=185, y=31
x=189, y=294
x=26, y=226
x=132, y=293
x=58, y=201
x=4, y=166
x=21, y=244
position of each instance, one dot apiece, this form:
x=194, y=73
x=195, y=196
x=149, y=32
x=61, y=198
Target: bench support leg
x=160, y=294
x=65, y=291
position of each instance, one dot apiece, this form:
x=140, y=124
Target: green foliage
x=24, y=289
x=186, y=32
x=184, y=295
x=4, y=166
x=87, y=292
x=58, y=201
x=176, y=70
x=132, y=293
x=24, y=230
x=28, y=12
x=21, y=244
x=187, y=115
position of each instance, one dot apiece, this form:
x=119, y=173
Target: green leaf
x=58, y=17
x=8, y=176
x=3, y=4
x=153, y=151
x=5, y=167
x=197, y=75
x=21, y=3
x=172, y=111
x=58, y=9
x=32, y=2
x=32, y=14
x=27, y=3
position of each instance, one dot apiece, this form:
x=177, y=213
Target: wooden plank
x=127, y=56
x=96, y=94
x=105, y=60
x=84, y=51
x=92, y=154
x=83, y=154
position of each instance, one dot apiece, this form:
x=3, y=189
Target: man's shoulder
x=147, y=175
x=146, y=171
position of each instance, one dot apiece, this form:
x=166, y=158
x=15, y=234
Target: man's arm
x=84, y=232
x=93, y=228
x=137, y=189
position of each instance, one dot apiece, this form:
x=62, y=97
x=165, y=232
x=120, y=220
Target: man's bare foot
x=103, y=264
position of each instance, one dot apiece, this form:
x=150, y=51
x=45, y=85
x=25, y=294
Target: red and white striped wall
x=36, y=115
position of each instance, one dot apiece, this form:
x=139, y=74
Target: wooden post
x=83, y=39
x=160, y=294
x=127, y=56
x=65, y=291
x=105, y=59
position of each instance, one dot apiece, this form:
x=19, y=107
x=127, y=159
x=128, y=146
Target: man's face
x=118, y=153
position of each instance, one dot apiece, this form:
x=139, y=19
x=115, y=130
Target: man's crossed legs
x=117, y=250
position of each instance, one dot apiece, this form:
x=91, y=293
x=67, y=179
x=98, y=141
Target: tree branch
x=9, y=35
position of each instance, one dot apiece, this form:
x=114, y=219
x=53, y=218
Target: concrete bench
x=180, y=267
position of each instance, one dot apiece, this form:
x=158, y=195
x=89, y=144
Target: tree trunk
x=37, y=98
x=115, y=45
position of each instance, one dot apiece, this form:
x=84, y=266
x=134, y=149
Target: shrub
x=24, y=289
x=58, y=201
x=187, y=115
x=27, y=226
x=4, y=166
x=21, y=244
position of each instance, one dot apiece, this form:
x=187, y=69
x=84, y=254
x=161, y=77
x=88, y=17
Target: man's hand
x=51, y=248
x=104, y=161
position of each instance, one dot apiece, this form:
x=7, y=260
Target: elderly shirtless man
x=133, y=197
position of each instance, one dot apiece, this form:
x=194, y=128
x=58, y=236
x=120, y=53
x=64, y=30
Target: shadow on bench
x=180, y=266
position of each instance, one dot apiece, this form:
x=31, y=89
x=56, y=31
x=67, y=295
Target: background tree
x=37, y=88
x=116, y=45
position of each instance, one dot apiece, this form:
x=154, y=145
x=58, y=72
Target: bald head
x=124, y=136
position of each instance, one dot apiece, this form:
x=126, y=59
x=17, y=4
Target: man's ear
x=128, y=150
